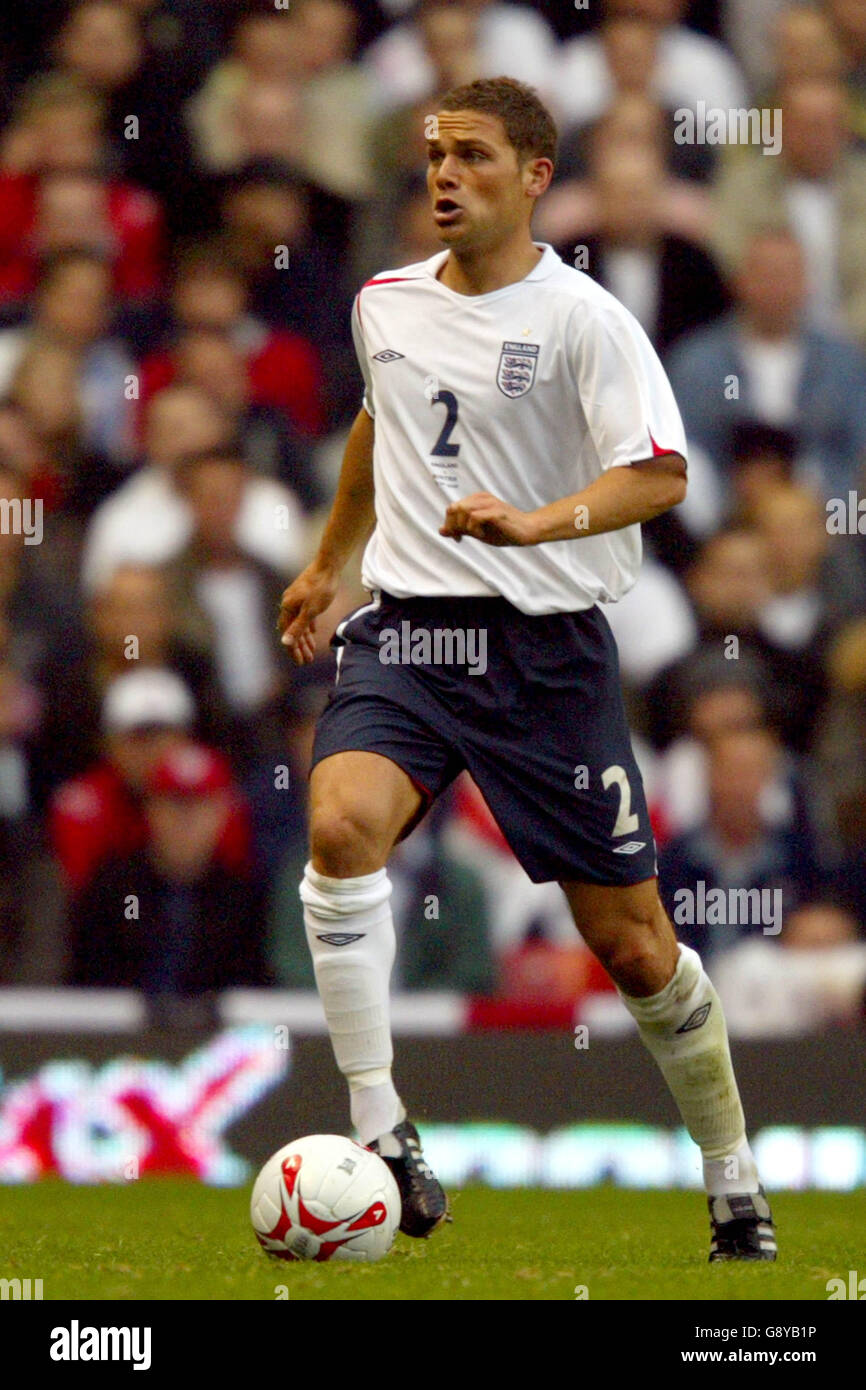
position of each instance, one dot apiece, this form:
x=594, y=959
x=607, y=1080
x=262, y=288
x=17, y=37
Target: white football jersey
x=529, y=392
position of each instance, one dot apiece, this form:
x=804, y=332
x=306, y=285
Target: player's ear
x=537, y=174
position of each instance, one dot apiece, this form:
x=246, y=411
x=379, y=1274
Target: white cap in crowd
x=147, y=698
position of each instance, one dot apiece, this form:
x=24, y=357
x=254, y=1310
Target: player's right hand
x=307, y=596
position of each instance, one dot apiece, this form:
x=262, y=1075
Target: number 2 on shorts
x=626, y=823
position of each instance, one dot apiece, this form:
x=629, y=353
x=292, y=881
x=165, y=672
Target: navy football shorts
x=531, y=705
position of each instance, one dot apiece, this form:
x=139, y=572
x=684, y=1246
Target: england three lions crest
x=517, y=363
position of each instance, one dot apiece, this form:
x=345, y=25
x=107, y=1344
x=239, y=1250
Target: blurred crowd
x=190, y=196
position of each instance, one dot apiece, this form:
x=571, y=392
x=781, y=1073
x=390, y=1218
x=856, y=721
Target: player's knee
x=344, y=844
x=641, y=953
x=631, y=960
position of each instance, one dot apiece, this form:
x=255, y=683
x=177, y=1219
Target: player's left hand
x=485, y=518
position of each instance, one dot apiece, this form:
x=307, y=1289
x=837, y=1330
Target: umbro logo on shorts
x=388, y=355
x=697, y=1019
x=631, y=848
x=340, y=938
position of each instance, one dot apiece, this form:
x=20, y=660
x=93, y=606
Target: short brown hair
x=528, y=124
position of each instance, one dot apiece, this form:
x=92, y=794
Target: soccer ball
x=325, y=1198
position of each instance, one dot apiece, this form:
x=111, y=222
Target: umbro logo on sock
x=696, y=1019
x=340, y=938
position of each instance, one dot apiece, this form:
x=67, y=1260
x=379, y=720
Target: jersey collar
x=546, y=266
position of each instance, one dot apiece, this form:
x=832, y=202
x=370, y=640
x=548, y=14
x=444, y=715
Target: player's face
x=477, y=182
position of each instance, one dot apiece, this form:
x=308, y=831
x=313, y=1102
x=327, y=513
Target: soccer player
x=516, y=429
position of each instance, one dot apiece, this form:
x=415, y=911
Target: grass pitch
x=167, y=1239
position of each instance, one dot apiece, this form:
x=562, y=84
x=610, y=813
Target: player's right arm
x=351, y=520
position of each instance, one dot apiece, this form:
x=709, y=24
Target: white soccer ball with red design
x=324, y=1197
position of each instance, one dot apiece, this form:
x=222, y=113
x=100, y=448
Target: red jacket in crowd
x=96, y=816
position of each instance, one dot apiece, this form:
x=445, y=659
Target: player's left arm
x=619, y=497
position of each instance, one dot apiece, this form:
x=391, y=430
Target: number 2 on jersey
x=443, y=449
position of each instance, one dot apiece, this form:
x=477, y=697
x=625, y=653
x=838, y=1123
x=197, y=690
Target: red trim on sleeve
x=657, y=452
x=388, y=280
x=662, y=453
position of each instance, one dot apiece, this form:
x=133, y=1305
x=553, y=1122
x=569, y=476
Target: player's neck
x=483, y=271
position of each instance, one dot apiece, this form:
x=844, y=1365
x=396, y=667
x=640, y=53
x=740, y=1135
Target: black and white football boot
x=742, y=1227
x=425, y=1205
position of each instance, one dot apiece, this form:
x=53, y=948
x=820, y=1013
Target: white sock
x=350, y=932
x=684, y=1028
x=736, y=1172
x=376, y=1107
